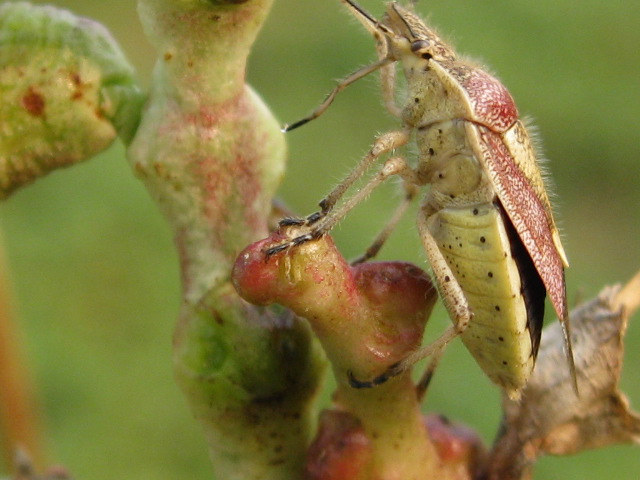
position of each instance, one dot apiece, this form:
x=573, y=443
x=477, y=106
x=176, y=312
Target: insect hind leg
x=434, y=349
x=374, y=382
x=455, y=303
x=396, y=369
x=411, y=190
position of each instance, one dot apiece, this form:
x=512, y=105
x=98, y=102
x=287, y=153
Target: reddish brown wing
x=491, y=103
x=530, y=219
x=527, y=213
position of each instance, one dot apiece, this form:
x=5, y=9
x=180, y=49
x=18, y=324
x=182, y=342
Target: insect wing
x=528, y=212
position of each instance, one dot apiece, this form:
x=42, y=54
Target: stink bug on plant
x=486, y=222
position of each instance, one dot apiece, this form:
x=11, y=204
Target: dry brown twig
x=550, y=419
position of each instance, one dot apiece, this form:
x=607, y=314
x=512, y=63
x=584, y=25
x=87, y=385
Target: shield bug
x=486, y=222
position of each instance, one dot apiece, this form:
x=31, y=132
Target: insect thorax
x=434, y=94
x=447, y=162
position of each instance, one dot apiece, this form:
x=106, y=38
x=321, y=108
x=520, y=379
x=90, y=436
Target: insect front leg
x=383, y=144
x=393, y=166
x=342, y=84
x=321, y=222
x=388, y=79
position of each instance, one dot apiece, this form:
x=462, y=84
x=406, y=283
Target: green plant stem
x=390, y=414
x=367, y=317
x=211, y=154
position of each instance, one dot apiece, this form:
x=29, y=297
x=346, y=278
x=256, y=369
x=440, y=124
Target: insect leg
x=388, y=79
x=453, y=299
x=393, y=166
x=381, y=33
x=396, y=369
x=427, y=376
x=383, y=144
x=450, y=291
x=411, y=189
x=342, y=84
x=321, y=222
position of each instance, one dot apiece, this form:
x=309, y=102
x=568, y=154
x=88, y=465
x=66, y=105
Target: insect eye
x=422, y=49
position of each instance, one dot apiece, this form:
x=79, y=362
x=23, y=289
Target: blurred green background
x=95, y=275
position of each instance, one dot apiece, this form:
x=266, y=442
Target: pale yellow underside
x=476, y=248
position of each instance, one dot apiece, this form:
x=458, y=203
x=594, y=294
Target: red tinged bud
x=456, y=444
x=341, y=450
x=367, y=317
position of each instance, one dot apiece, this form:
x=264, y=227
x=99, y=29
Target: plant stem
x=20, y=423
x=211, y=154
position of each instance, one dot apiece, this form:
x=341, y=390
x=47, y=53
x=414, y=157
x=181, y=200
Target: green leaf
x=66, y=91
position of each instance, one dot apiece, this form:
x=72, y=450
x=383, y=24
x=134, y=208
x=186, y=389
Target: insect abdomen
x=476, y=245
